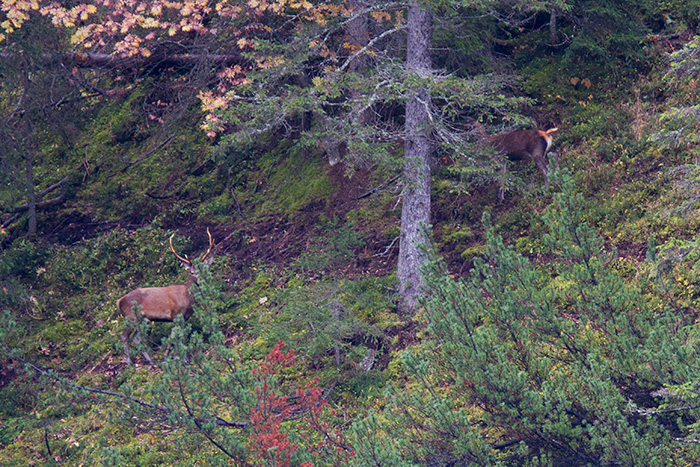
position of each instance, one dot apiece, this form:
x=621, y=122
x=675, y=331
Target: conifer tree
x=554, y=363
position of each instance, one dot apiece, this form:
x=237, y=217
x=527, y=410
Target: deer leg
x=543, y=167
x=501, y=185
x=126, y=335
x=167, y=350
x=147, y=357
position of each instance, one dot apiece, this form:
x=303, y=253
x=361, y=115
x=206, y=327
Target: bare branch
x=98, y=60
x=49, y=374
x=370, y=44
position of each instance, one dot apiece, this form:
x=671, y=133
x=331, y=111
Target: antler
x=211, y=244
x=184, y=260
x=187, y=261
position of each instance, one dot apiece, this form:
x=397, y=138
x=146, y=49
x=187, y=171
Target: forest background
x=371, y=301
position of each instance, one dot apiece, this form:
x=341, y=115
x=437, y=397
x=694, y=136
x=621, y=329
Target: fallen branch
x=100, y=60
x=159, y=408
x=148, y=153
x=387, y=249
x=86, y=165
x=238, y=206
x=377, y=188
x=43, y=204
x=100, y=362
x=52, y=187
x=8, y=221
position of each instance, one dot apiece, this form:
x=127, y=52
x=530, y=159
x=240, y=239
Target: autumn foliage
x=139, y=29
x=284, y=426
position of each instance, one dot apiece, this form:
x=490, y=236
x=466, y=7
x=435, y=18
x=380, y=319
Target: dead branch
x=43, y=204
x=377, y=188
x=149, y=153
x=100, y=60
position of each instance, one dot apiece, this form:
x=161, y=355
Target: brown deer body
x=519, y=145
x=532, y=144
x=159, y=303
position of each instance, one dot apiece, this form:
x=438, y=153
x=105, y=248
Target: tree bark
x=31, y=196
x=357, y=32
x=101, y=60
x=415, y=209
x=553, y=26
x=38, y=204
x=358, y=36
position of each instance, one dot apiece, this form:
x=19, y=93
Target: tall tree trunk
x=28, y=148
x=357, y=32
x=358, y=37
x=31, y=196
x=415, y=209
x=553, y=26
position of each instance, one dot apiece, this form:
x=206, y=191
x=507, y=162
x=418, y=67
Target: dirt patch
x=278, y=240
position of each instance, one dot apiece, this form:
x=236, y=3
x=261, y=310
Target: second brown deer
x=160, y=303
x=519, y=145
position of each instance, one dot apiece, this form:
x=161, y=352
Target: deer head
x=160, y=303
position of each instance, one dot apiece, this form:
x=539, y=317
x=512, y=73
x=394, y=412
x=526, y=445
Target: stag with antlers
x=160, y=303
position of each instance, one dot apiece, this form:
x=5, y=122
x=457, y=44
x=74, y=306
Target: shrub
x=561, y=363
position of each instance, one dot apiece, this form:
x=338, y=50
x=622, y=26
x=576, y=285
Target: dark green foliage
x=22, y=260
x=671, y=15
x=232, y=406
x=554, y=351
x=337, y=325
x=469, y=51
x=563, y=359
x=335, y=246
x=679, y=132
x=607, y=36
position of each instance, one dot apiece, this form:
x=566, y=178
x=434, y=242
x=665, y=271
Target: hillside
x=557, y=327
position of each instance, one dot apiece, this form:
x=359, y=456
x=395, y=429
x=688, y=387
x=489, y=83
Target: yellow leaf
x=150, y=23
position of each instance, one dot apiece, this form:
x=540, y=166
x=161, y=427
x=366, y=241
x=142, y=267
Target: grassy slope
x=296, y=238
